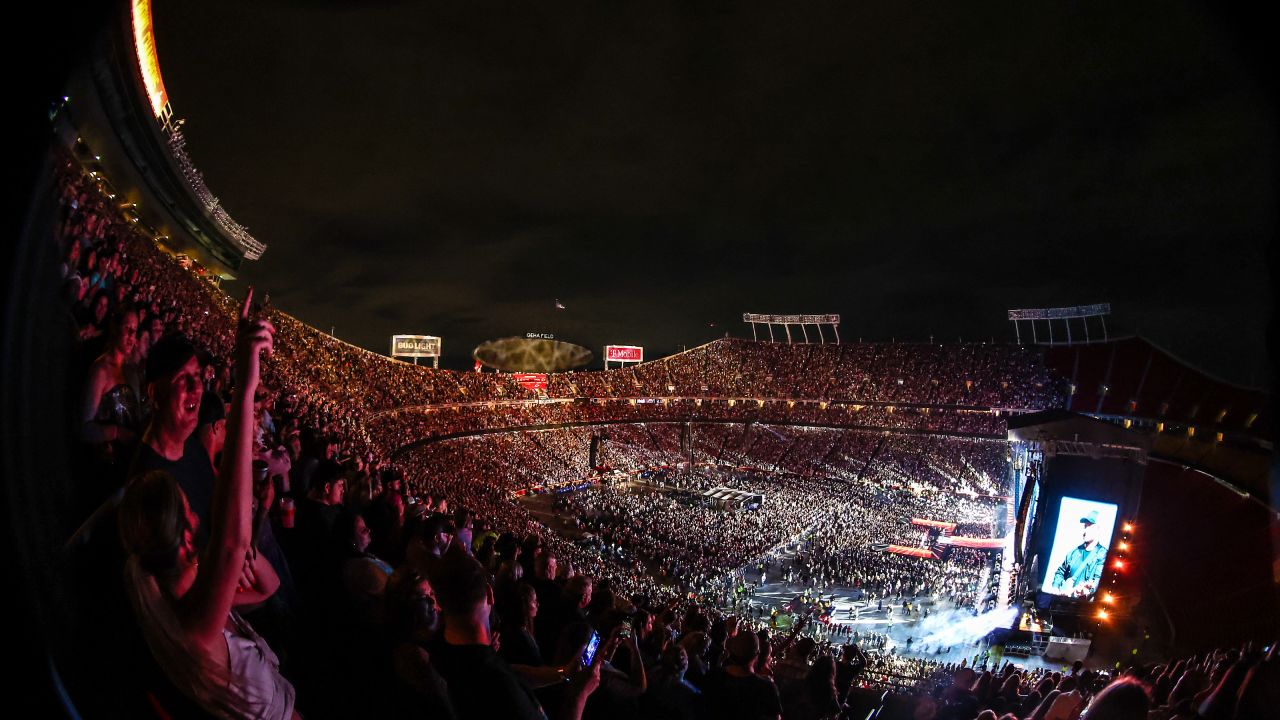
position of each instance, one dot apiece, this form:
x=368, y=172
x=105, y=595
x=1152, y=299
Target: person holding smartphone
x=620, y=690
x=481, y=683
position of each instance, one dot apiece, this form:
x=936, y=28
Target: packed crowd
x=1240, y=682
x=248, y=549
x=841, y=492
x=868, y=381
x=971, y=375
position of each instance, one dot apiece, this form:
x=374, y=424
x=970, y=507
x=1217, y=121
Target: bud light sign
x=415, y=346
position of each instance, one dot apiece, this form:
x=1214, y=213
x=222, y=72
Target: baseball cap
x=168, y=356
x=1090, y=517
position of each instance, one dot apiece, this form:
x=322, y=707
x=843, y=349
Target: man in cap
x=1080, y=572
x=174, y=383
x=171, y=442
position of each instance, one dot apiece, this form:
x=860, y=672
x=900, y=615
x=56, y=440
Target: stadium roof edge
x=1174, y=356
x=1197, y=368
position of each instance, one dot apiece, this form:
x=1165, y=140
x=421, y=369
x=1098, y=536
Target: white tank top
x=255, y=673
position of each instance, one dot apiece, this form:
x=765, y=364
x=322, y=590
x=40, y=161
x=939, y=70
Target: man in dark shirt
x=174, y=378
x=735, y=692
x=314, y=551
x=481, y=683
x=569, y=608
x=671, y=696
x=318, y=512
x=175, y=386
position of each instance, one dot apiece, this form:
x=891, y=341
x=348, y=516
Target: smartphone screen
x=593, y=644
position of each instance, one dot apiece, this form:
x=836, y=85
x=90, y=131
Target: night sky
x=454, y=168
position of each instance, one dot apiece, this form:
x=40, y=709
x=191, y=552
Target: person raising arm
x=183, y=598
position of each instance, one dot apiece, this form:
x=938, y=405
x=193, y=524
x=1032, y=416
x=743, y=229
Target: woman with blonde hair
x=182, y=597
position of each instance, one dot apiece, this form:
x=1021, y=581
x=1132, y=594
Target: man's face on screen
x=1088, y=533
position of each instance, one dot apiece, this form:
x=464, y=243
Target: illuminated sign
x=531, y=381
x=415, y=346
x=623, y=353
x=539, y=336
x=144, y=42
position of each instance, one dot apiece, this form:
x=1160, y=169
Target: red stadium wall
x=1204, y=553
x=1131, y=377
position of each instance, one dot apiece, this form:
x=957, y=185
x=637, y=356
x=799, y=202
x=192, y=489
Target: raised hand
x=254, y=338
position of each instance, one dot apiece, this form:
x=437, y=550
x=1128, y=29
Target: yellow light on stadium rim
x=1102, y=614
x=1108, y=598
x=1128, y=527
x=1124, y=545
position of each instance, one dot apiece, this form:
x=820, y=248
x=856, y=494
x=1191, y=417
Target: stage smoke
x=950, y=628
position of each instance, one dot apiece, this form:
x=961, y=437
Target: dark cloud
x=454, y=169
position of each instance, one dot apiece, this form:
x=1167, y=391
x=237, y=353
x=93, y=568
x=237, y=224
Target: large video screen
x=1080, y=545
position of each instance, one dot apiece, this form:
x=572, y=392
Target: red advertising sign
x=531, y=381
x=912, y=551
x=623, y=353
